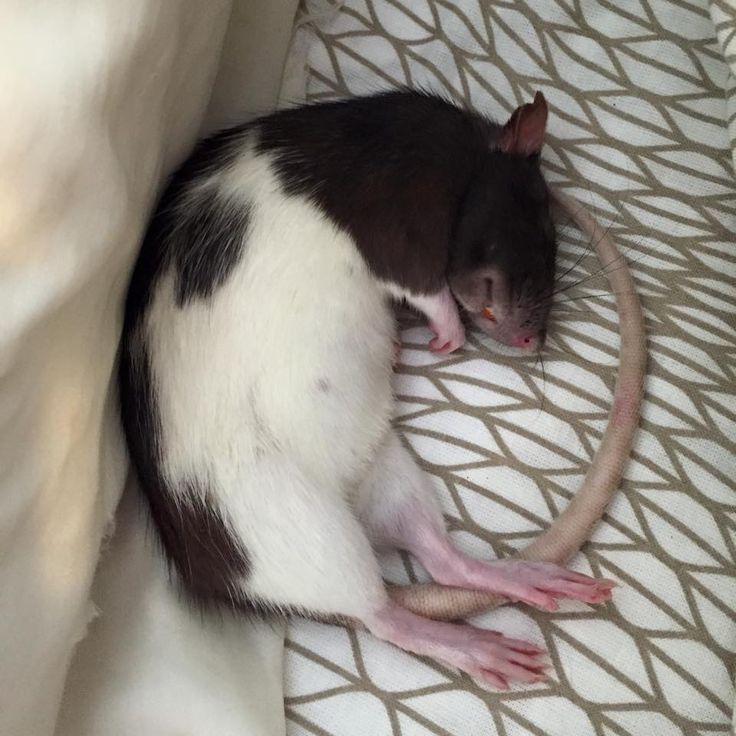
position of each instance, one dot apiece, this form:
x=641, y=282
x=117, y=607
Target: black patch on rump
x=207, y=557
x=207, y=244
x=201, y=236
x=391, y=169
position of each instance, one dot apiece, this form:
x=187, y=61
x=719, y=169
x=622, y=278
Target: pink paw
x=493, y=659
x=447, y=337
x=541, y=583
x=487, y=656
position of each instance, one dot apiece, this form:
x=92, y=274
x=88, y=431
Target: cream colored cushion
x=99, y=100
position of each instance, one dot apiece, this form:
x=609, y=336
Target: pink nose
x=527, y=342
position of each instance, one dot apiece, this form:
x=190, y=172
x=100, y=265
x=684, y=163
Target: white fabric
x=151, y=666
x=252, y=63
x=99, y=100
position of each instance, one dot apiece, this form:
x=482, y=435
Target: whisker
x=597, y=295
x=604, y=270
x=603, y=267
x=540, y=360
x=560, y=233
x=587, y=250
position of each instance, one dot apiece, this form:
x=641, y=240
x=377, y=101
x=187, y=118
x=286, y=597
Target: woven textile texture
x=637, y=131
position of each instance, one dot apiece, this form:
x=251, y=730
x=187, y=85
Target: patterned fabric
x=723, y=13
x=638, y=132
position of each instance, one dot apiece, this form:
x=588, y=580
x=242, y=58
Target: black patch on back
x=176, y=216
x=391, y=169
x=206, y=244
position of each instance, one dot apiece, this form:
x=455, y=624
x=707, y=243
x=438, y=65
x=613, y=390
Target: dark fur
x=390, y=169
x=195, y=539
x=176, y=231
x=505, y=223
x=209, y=240
x=418, y=183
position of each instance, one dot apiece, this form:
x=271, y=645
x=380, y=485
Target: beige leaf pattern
x=642, y=101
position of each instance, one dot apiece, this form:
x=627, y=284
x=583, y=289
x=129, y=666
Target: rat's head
x=503, y=255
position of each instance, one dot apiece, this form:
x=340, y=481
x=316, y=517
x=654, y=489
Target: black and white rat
x=255, y=371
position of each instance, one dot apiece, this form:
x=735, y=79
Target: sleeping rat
x=255, y=370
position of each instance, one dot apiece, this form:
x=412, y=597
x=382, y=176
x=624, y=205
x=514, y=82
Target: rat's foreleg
x=441, y=310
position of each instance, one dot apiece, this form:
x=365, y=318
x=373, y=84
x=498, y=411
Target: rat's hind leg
x=399, y=508
x=309, y=553
x=487, y=656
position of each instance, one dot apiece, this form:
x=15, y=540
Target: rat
x=256, y=357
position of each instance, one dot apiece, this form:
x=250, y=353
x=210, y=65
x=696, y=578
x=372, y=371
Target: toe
x=511, y=665
x=529, y=662
x=492, y=679
x=531, y=595
x=576, y=577
x=511, y=671
x=518, y=645
x=579, y=591
x=523, y=647
x=544, y=600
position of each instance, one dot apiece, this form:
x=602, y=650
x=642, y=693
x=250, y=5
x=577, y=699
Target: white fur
x=274, y=395
x=396, y=501
x=276, y=391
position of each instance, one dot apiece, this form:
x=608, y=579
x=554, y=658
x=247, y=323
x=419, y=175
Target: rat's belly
x=322, y=401
x=329, y=407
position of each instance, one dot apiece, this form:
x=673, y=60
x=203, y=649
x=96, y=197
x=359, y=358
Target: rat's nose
x=526, y=342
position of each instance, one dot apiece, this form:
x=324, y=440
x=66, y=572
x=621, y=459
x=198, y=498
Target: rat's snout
x=512, y=315
x=523, y=329
x=526, y=342
x=533, y=340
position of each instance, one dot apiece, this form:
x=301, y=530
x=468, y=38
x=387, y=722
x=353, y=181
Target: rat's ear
x=523, y=135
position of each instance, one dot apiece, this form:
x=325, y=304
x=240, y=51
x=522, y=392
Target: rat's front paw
x=448, y=337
